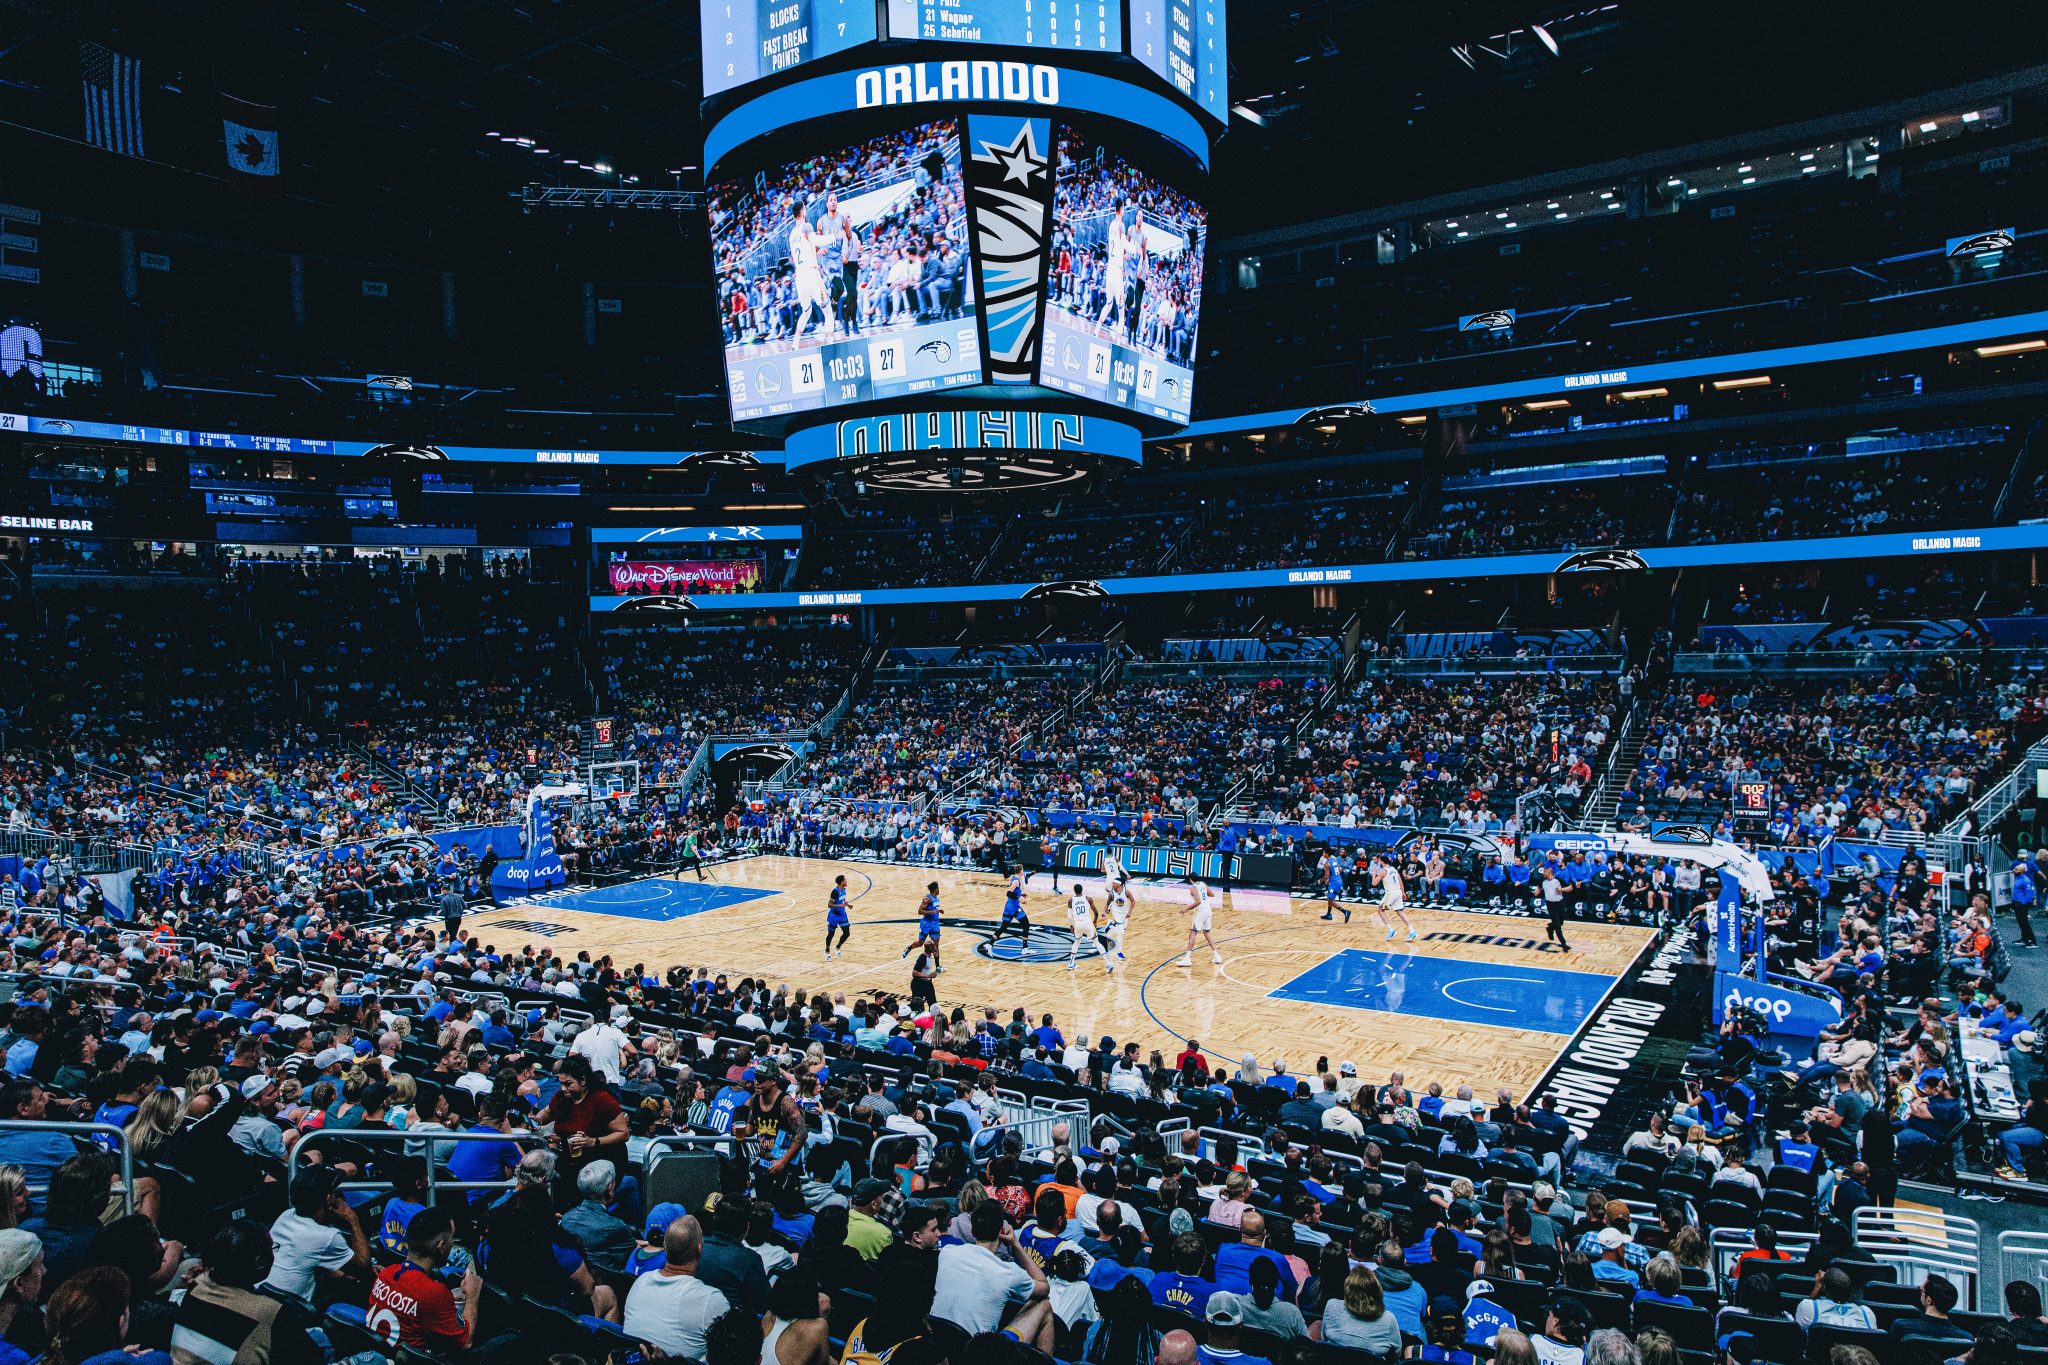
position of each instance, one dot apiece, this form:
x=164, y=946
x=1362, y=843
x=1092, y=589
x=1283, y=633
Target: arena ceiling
x=1363, y=100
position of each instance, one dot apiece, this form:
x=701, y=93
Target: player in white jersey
x=1116, y=253
x=1111, y=936
x=810, y=280
x=1203, y=903
x=1114, y=873
x=1393, y=896
x=1080, y=922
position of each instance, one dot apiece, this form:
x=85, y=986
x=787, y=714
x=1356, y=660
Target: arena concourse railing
x=1921, y=1242
x=1484, y=664
x=1869, y=659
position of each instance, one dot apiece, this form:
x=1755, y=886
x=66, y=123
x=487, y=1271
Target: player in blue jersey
x=1014, y=917
x=927, y=926
x=836, y=918
x=1334, y=870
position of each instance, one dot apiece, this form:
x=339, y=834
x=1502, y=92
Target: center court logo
x=1049, y=943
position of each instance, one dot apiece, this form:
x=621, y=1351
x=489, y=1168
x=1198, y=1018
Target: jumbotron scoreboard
x=961, y=243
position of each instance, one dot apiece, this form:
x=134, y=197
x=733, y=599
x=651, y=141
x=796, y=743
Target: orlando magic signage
x=962, y=430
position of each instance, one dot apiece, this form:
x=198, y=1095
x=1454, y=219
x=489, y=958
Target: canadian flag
x=249, y=138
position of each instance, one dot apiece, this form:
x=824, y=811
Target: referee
x=1554, y=907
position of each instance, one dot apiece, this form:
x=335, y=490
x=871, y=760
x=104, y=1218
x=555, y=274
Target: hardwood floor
x=1290, y=986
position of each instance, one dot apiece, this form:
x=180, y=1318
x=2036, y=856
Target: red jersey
x=410, y=1306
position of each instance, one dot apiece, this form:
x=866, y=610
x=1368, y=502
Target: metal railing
x=385, y=1137
x=2023, y=1256
x=1923, y=1242
x=122, y=1153
x=2003, y=794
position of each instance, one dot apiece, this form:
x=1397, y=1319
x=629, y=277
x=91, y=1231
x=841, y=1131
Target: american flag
x=113, y=99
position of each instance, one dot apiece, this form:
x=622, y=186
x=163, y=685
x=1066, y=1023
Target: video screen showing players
x=1124, y=287
x=844, y=277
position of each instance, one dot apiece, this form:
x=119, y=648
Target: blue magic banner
x=691, y=535
x=1816, y=353
x=1043, y=86
x=1893, y=545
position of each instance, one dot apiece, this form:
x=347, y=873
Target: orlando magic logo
x=1009, y=203
x=1048, y=944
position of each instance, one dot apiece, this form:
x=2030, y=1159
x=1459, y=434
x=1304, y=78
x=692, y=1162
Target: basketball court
x=1476, y=998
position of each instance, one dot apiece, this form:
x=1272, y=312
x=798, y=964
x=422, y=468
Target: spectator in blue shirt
x=1234, y=1259
x=1183, y=1289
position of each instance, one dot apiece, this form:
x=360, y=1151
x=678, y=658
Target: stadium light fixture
x=1327, y=428
x=1972, y=116
x=1808, y=170
x=1412, y=419
x=1749, y=180
x=1645, y=393
x=603, y=168
x=1549, y=43
x=1464, y=234
x=2011, y=348
x=1544, y=404
x=1561, y=215
x=1806, y=156
x=1614, y=205
x=1752, y=381
x=1929, y=127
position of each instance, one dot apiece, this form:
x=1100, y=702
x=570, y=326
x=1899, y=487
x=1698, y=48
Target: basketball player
x=1203, y=903
x=830, y=238
x=1115, y=271
x=1080, y=922
x=837, y=918
x=1013, y=911
x=1392, y=897
x=1113, y=870
x=928, y=926
x=1139, y=267
x=1119, y=907
x=1334, y=887
x=803, y=261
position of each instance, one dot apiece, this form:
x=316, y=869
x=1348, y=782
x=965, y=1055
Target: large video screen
x=745, y=40
x=1073, y=25
x=1186, y=42
x=1124, y=287
x=844, y=277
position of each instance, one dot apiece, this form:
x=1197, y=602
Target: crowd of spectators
x=676, y=688
x=293, y=1087
x=1801, y=500
x=1861, y=754
x=905, y=738
x=1450, y=752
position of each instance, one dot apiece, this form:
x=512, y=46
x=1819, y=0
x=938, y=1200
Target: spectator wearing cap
x=1610, y=1268
x=866, y=1233
x=605, y=1238
x=1226, y=1320
x=22, y=1271
x=256, y=1130
x=651, y=1254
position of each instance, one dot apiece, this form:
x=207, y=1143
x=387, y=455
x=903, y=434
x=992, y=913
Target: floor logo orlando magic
x=1009, y=203
x=1048, y=942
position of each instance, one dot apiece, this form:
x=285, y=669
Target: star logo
x=1020, y=160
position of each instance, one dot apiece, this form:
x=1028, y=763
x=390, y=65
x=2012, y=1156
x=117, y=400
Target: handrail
x=2002, y=795
x=386, y=1136
x=122, y=1151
